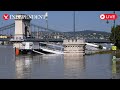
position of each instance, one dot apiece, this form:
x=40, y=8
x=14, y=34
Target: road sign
x=114, y=48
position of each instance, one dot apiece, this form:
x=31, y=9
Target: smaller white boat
x=51, y=48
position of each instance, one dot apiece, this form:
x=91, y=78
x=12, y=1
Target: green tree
x=115, y=36
x=100, y=47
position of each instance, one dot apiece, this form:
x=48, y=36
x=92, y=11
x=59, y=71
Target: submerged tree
x=115, y=36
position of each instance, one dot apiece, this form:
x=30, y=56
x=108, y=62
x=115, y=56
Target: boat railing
x=54, y=49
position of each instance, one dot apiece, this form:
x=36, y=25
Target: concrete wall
x=74, y=46
x=75, y=41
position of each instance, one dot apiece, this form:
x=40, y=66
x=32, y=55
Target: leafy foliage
x=115, y=36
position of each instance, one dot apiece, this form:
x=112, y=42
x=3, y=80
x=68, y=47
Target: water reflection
x=74, y=65
x=49, y=67
x=7, y=62
x=98, y=66
x=23, y=67
x=39, y=67
x=68, y=66
x=115, y=69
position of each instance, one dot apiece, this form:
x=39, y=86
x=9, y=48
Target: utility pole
x=114, y=37
x=74, y=23
x=114, y=28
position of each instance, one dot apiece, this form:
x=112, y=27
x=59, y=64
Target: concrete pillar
x=21, y=24
x=22, y=29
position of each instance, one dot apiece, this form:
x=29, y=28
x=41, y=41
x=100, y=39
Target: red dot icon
x=102, y=16
x=5, y=16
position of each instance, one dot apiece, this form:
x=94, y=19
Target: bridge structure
x=39, y=34
x=23, y=30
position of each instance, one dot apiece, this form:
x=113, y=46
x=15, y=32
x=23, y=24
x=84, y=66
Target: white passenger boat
x=51, y=48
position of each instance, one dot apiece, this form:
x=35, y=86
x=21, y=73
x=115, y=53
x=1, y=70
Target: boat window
x=41, y=44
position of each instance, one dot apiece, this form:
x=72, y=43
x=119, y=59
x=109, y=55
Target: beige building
x=74, y=46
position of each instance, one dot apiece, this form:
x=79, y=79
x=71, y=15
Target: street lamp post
x=46, y=18
x=47, y=22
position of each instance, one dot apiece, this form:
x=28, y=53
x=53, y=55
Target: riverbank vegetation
x=116, y=53
x=115, y=36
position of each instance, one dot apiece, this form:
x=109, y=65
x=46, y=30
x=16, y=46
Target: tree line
x=115, y=36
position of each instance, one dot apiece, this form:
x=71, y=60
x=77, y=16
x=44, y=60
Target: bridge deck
x=54, y=40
